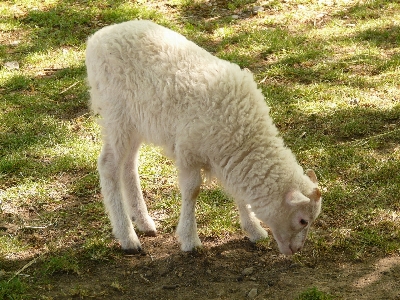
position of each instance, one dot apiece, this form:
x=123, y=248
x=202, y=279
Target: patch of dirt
x=232, y=268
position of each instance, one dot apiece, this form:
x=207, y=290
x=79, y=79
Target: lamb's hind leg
x=250, y=224
x=189, y=181
x=109, y=165
x=133, y=193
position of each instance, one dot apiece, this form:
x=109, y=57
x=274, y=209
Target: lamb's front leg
x=189, y=181
x=249, y=223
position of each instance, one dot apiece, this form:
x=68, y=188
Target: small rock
x=271, y=283
x=117, y=286
x=257, y=9
x=252, y=294
x=11, y=65
x=170, y=287
x=354, y=101
x=228, y=253
x=248, y=271
x=235, y=17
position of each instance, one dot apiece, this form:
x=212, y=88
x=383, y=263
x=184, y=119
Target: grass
x=329, y=72
x=314, y=294
x=13, y=289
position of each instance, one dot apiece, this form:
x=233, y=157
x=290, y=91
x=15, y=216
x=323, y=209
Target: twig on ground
x=35, y=227
x=144, y=278
x=24, y=268
x=70, y=87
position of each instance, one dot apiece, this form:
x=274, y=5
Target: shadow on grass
x=70, y=23
x=366, y=10
x=36, y=108
x=386, y=37
x=305, y=61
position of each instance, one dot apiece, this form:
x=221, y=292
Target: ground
x=230, y=268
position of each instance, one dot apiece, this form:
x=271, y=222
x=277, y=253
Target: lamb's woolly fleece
x=203, y=111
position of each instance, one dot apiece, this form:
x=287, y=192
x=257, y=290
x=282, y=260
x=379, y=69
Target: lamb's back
x=174, y=93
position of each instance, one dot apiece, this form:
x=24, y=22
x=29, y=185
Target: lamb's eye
x=303, y=222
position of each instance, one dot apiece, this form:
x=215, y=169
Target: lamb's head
x=294, y=215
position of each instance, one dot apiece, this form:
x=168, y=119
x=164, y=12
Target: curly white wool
x=151, y=84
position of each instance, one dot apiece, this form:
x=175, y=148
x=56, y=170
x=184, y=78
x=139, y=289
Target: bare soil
x=232, y=268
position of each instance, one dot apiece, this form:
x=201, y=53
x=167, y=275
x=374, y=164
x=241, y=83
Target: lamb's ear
x=316, y=194
x=311, y=174
x=295, y=197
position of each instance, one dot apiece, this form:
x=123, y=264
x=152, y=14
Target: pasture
x=330, y=72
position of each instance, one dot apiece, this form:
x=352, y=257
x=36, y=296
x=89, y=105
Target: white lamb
x=151, y=84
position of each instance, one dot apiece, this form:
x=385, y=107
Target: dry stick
x=35, y=227
x=52, y=69
x=144, y=278
x=70, y=87
x=24, y=267
x=263, y=80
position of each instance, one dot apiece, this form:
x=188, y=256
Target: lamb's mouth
x=283, y=247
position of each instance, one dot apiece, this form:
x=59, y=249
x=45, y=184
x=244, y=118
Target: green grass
x=329, y=73
x=314, y=294
x=12, y=290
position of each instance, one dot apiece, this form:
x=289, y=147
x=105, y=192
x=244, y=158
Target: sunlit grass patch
x=216, y=213
x=129, y=11
x=10, y=248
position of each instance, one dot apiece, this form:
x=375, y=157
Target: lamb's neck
x=258, y=169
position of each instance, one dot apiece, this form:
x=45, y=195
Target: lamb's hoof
x=134, y=251
x=198, y=250
x=150, y=233
x=195, y=252
x=192, y=249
